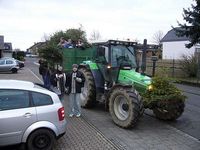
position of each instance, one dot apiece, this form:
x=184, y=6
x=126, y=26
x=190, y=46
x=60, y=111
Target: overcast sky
x=24, y=22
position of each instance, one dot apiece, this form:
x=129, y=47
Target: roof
x=118, y=42
x=172, y=37
x=16, y=84
x=37, y=45
x=8, y=46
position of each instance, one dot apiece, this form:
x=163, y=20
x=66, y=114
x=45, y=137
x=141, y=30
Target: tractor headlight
x=108, y=66
x=150, y=87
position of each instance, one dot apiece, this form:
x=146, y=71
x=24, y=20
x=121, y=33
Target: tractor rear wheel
x=125, y=107
x=169, y=110
x=88, y=95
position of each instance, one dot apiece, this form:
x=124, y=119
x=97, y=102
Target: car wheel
x=41, y=139
x=14, y=70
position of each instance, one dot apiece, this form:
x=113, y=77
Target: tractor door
x=102, y=61
x=116, y=53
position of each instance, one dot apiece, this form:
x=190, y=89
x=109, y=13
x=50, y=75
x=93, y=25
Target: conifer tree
x=191, y=27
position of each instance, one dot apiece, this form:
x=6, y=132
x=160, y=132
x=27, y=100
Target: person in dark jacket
x=74, y=83
x=44, y=72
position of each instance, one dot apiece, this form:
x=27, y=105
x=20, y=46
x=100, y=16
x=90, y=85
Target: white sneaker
x=78, y=115
x=71, y=115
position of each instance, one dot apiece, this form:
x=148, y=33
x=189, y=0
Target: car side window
x=2, y=62
x=9, y=62
x=13, y=99
x=40, y=99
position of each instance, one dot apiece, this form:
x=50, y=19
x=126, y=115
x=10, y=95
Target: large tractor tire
x=125, y=106
x=169, y=110
x=88, y=95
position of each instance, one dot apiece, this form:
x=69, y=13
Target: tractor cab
x=113, y=56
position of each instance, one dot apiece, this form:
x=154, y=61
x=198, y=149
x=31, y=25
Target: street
x=95, y=129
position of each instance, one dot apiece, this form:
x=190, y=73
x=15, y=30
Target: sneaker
x=71, y=115
x=78, y=115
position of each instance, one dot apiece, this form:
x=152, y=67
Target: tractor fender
x=84, y=66
x=97, y=75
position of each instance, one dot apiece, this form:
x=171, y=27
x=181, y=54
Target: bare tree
x=45, y=38
x=136, y=40
x=95, y=35
x=157, y=37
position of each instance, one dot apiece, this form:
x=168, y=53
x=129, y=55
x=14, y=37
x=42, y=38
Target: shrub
x=189, y=65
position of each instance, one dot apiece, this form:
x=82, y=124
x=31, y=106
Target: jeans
x=74, y=104
x=46, y=79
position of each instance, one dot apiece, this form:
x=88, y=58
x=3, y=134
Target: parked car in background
x=30, y=114
x=31, y=55
x=20, y=63
x=8, y=64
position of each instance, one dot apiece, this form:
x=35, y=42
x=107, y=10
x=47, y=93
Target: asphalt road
x=189, y=122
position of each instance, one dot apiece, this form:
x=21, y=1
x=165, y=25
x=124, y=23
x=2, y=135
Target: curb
x=189, y=83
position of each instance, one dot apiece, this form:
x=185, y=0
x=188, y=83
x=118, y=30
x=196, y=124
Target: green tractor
x=111, y=78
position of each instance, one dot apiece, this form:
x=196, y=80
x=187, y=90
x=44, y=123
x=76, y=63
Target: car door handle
x=27, y=115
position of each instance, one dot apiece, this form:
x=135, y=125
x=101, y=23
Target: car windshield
x=121, y=53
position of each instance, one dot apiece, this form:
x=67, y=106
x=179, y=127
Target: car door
x=16, y=115
x=9, y=65
x=44, y=107
x=2, y=65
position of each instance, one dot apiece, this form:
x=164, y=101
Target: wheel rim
x=41, y=141
x=121, y=108
x=84, y=93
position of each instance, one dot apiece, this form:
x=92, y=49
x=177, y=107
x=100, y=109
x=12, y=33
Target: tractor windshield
x=121, y=53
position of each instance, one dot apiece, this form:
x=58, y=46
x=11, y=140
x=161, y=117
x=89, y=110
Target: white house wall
x=175, y=50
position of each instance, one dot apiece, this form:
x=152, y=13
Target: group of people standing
x=61, y=83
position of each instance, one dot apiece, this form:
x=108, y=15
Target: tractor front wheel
x=125, y=107
x=88, y=95
x=169, y=110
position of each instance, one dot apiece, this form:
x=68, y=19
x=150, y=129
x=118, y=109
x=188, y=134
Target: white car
x=30, y=114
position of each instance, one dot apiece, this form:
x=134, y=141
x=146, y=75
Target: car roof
x=16, y=84
x=26, y=85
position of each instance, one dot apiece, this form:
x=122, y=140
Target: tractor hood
x=139, y=81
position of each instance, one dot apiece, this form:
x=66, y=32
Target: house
x=7, y=52
x=1, y=46
x=34, y=48
x=174, y=46
x=5, y=48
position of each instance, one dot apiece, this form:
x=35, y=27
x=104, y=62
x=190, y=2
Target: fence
x=169, y=68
